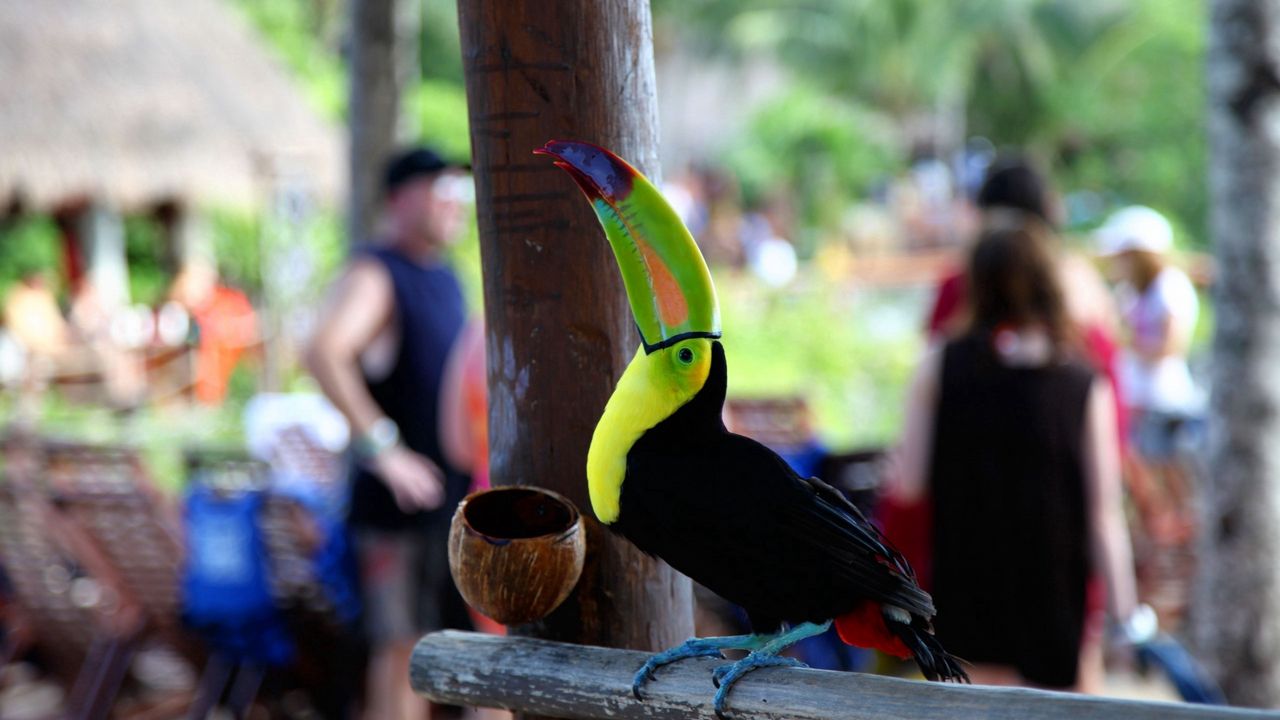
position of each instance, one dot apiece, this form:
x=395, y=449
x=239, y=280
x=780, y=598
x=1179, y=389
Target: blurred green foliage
x=28, y=245
x=144, y=247
x=902, y=57
x=243, y=242
x=306, y=35
x=817, y=148
x=159, y=433
x=441, y=48
x=440, y=107
x=1108, y=93
x=1133, y=122
x=850, y=352
x=237, y=239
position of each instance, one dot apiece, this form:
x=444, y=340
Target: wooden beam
x=576, y=681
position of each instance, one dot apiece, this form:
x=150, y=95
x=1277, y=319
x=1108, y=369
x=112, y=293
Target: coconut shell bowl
x=516, y=552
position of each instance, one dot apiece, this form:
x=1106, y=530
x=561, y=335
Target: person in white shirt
x=1159, y=307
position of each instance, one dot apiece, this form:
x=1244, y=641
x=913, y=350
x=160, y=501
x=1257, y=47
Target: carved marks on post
x=531, y=214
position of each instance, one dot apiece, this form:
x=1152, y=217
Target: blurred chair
x=778, y=421
x=170, y=373
x=312, y=567
x=15, y=636
x=299, y=438
x=108, y=490
x=80, y=622
x=784, y=423
x=105, y=493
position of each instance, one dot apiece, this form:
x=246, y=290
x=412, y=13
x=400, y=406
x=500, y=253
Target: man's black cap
x=412, y=164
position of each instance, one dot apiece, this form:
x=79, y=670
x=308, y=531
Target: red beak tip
x=546, y=148
x=598, y=172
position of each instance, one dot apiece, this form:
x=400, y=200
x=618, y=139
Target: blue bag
x=226, y=592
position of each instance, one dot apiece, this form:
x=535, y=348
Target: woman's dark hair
x=1013, y=279
x=1013, y=182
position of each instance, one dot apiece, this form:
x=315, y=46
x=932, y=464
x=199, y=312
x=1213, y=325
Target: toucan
x=665, y=473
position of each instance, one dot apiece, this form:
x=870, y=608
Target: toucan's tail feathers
x=935, y=662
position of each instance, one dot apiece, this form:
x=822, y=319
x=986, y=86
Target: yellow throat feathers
x=651, y=389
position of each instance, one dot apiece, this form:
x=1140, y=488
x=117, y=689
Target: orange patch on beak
x=673, y=309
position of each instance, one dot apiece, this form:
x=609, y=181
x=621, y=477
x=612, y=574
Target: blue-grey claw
x=694, y=647
x=725, y=676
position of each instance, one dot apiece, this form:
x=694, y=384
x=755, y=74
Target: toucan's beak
x=667, y=280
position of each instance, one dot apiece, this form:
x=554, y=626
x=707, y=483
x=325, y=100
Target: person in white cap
x=1159, y=306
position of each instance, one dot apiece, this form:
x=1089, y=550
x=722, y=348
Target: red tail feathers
x=865, y=627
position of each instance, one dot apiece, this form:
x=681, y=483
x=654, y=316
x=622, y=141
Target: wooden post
x=583, y=682
x=559, y=331
x=1237, y=611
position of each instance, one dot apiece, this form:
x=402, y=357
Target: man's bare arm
x=358, y=309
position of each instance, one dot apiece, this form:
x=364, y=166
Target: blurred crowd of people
x=1053, y=423
x=1039, y=397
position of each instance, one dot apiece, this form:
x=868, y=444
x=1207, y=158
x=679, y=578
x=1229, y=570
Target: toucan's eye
x=685, y=355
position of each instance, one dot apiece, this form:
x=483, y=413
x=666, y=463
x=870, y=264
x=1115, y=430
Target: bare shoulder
x=358, y=306
x=364, y=276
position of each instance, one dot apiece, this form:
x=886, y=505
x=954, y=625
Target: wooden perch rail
x=576, y=681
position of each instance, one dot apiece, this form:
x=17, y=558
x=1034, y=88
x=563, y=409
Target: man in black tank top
x=379, y=354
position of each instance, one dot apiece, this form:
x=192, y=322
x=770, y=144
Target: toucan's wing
x=732, y=515
x=829, y=523
x=815, y=517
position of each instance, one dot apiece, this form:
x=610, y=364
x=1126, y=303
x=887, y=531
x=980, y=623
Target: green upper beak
x=667, y=280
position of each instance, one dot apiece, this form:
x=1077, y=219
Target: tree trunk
x=1237, y=624
x=384, y=60
x=559, y=330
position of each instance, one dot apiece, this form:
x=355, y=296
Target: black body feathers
x=731, y=514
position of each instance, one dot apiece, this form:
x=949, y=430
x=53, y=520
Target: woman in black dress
x=1013, y=435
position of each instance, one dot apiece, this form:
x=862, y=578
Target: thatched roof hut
x=134, y=102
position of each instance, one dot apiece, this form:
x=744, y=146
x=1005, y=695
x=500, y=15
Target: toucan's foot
x=765, y=655
x=726, y=676
x=692, y=648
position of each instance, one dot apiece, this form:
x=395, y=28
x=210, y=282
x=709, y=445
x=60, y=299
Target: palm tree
x=1238, y=599
x=916, y=60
